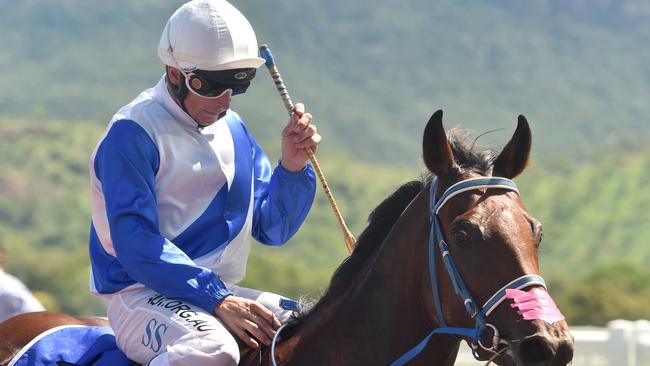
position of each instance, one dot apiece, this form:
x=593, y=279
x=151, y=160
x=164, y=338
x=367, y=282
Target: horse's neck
x=382, y=314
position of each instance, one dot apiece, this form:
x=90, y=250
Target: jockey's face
x=205, y=111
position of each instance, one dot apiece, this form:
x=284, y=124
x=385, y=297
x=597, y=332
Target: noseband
x=479, y=314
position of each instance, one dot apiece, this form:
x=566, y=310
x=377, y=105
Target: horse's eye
x=461, y=237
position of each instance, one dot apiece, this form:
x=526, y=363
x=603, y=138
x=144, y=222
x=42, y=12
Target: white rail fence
x=621, y=343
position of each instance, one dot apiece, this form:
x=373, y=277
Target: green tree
x=607, y=292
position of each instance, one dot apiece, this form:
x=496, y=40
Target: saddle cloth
x=70, y=345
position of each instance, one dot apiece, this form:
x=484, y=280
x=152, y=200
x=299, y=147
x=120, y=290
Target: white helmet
x=209, y=35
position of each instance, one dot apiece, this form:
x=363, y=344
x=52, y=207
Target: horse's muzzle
x=543, y=350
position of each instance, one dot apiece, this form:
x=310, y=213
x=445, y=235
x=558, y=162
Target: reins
x=275, y=340
x=479, y=314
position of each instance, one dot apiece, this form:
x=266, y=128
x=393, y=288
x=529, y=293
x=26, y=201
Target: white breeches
x=147, y=324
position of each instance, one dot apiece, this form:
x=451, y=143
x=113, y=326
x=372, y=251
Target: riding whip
x=265, y=53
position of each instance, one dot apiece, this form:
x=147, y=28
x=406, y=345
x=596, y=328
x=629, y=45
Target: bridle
x=479, y=314
x=437, y=241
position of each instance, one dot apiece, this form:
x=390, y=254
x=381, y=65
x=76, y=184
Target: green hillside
x=595, y=222
x=365, y=69
x=594, y=214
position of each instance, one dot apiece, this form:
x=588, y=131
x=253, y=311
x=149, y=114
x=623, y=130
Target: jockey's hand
x=297, y=136
x=247, y=319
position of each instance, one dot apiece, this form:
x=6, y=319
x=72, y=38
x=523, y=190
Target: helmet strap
x=179, y=91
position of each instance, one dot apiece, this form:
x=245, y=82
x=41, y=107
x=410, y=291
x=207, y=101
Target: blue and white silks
x=174, y=206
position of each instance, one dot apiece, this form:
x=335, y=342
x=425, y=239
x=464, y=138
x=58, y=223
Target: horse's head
x=485, y=253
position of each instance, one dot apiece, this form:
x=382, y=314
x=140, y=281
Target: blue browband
x=479, y=314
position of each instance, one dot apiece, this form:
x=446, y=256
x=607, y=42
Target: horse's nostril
x=535, y=351
x=564, y=353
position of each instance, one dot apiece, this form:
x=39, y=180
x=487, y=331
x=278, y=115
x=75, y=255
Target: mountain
x=372, y=73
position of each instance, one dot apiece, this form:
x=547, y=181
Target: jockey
x=15, y=297
x=179, y=186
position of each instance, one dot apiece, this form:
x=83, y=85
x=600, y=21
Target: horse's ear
x=514, y=157
x=436, y=151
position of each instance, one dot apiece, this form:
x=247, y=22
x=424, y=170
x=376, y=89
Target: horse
x=443, y=260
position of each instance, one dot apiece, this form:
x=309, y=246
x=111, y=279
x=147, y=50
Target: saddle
x=68, y=345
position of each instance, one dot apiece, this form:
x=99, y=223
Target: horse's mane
x=384, y=216
x=467, y=156
x=381, y=221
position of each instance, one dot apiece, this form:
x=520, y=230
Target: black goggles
x=213, y=84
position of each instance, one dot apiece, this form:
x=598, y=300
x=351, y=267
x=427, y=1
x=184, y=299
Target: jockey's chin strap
x=479, y=314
